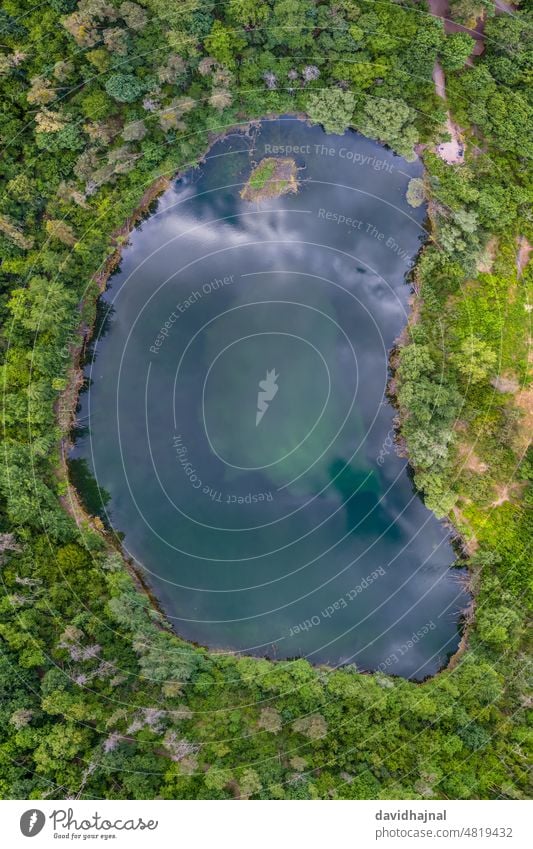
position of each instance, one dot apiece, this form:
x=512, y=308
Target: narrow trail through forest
x=452, y=151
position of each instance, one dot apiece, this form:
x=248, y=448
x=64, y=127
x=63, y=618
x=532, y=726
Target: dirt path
x=453, y=151
x=506, y=492
x=441, y=9
x=522, y=257
x=501, y=6
x=440, y=82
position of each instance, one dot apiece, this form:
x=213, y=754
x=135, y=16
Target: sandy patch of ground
x=453, y=151
x=505, y=383
x=486, y=260
x=470, y=460
x=506, y=492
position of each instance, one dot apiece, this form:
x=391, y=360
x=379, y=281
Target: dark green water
x=288, y=529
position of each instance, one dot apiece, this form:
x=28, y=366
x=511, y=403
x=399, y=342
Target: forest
x=103, y=101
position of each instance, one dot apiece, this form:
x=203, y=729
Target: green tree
x=249, y=783
x=391, y=122
x=224, y=44
x=475, y=360
x=134, y=15
x=124, y=87
x=314, y=726
x=270, y=720
x=61, y=230
x=248, y=13
x=332, y=108
x=455, y=50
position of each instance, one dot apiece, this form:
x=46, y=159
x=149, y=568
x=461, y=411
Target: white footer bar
x=266, y=824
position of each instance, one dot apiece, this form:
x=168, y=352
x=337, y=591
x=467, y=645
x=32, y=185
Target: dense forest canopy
x=102, y=102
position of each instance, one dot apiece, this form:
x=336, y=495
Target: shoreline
x=67, y=401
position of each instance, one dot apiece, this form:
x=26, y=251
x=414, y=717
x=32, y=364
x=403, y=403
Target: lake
x=237, y=412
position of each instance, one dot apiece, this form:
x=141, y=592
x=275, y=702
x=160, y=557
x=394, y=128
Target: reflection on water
x=238, y=417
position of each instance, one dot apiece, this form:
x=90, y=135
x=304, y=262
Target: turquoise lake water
x=237, y=414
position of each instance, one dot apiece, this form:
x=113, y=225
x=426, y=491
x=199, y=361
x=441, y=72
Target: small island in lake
x=272, y=178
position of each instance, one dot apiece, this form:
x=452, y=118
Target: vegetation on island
x=273, y=177
x=101, y=99
x=415, y=194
